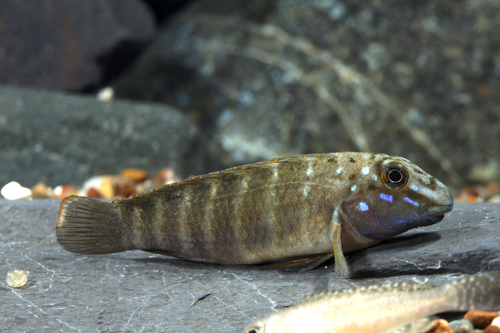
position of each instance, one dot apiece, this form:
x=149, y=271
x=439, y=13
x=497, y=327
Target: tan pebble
x=494, y=198
x=93, y=193
x=39, y=191
x=17, y=278
x=137, y=175
x=479, y=318
x=106, y=187
x=440, y=326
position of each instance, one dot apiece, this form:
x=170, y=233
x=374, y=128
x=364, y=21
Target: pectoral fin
x=341, y=267
x=299, y=264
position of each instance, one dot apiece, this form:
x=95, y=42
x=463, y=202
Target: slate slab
x=140, y=292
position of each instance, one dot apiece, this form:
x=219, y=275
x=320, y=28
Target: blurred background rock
x=213, y=84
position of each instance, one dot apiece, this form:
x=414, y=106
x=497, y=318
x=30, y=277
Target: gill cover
x=391, y=204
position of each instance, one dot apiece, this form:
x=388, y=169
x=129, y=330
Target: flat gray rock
x=140, y=292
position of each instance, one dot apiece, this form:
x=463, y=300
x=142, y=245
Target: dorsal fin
x=175, y=189
x=373, y=289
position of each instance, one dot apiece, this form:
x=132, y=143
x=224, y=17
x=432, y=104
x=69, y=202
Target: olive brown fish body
x=382, y=308
x=298, y=211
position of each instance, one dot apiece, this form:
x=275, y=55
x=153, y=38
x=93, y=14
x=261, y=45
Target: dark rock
x=70, y=45
x=270, y=78
x=57, y=138
x=163, y=9
x=137, y=291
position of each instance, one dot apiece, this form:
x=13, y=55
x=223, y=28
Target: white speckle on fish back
x=339, y=170
x=310, y=170
x=353, y=188
x=275, y=173
x=365, y=170
x=306, y=189
x=374, y=177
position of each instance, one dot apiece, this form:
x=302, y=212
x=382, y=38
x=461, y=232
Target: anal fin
x=299, y=264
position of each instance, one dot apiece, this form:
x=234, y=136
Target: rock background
x=136, y=291
x=56, y=138
x=269, y=78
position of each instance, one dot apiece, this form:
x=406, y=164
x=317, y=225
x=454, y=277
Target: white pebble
x=17, y=278
x=106, y=94
x=14, y=191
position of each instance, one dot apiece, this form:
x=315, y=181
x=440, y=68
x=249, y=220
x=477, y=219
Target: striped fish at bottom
x=292, y=212
x=381, y=308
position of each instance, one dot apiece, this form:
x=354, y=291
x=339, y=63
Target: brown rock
x=492, y=329
x=125, y=187
x=480, y=319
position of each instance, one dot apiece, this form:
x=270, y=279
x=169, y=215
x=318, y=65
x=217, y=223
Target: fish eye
x=395, y=176
x=253, y=330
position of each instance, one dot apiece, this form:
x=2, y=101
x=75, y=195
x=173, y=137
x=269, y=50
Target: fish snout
x=436, y=213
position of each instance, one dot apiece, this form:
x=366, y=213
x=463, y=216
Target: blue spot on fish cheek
x=414, y=203
x=363, y=206
x=414, y=187
x=386, y=197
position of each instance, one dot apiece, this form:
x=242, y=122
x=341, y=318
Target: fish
x=381, y=308
x=290, y=213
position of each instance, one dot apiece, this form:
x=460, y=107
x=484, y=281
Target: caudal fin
x=89, y=226
x=480, y=291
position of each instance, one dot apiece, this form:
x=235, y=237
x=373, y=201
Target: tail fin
x=480, y=291
x=89, y=226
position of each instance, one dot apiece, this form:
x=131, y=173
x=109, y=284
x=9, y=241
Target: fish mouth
x=436, y=213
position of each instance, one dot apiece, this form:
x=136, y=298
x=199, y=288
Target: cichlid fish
x=294, y=212
x=381, y=308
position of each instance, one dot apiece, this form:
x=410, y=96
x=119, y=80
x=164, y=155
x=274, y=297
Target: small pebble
x=462, y=326
x=480, y=319
x=93, y=193
x=492, y=329
x=440, y=326
x=17, y=278
x=137, y=175
x=63, y=191
x=106, y=94
x=40, y=191
x=106, y=187
x=14, y=191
